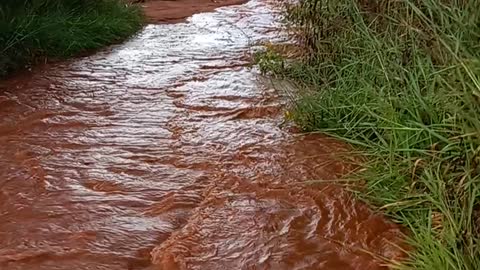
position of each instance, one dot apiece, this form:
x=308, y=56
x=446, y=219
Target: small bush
x=33, y=29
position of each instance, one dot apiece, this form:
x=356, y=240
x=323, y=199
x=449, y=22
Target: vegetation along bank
x=400, y=80
x=37, y=30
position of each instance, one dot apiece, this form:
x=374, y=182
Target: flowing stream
x=168, y=152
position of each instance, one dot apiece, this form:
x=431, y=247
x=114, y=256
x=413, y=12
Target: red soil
x=168, y=11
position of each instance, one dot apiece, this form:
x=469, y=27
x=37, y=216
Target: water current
x=168, y=152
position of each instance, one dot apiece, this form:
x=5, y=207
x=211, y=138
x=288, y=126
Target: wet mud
x=171, y=11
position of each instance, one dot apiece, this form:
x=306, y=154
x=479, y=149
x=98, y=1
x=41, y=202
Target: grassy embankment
x=35, y=30
x=400, y=80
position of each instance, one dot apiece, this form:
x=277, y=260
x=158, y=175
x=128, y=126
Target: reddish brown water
x=167, y=153
x=161, y=11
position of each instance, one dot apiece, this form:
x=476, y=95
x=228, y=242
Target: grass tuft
x=34, y=30
x=400, y=80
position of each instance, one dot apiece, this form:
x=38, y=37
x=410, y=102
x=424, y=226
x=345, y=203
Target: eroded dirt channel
x=166, y=153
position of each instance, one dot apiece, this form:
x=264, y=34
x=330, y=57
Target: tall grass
x=39, y=29
x=400, y=80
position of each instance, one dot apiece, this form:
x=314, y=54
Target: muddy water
x=160, y=11
x=167, y=152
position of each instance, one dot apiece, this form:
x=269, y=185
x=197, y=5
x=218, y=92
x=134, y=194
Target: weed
x=400, y=80
x=38, y=29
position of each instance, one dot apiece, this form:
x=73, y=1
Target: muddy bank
x=164, y=11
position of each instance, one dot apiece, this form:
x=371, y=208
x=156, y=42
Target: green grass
x=399, y=80
x=36, y=30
